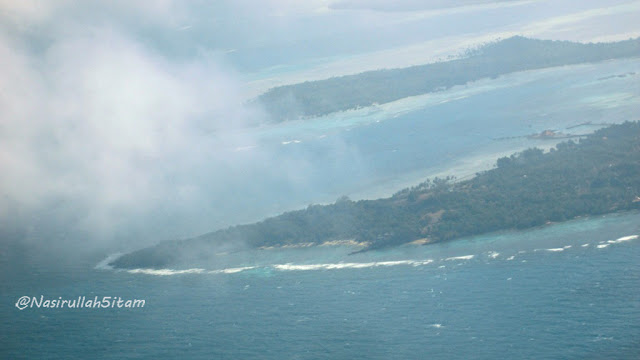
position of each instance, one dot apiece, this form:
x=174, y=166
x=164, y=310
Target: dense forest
x=314, y=98
x=597, y=174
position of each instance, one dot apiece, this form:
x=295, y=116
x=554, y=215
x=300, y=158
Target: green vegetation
x=595, y=175
x=314, y=98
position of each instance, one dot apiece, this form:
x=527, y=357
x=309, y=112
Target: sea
x=563, y=291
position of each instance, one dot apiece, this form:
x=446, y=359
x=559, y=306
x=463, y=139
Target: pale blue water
x=318, y=160
x=513, y=299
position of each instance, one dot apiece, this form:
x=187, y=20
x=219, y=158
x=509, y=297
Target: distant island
x=593, y=175
x=315, y=98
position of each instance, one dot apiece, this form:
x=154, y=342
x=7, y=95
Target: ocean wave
x=465, y=257
x=335, y=266
x=551, y=249
x=623, y=239
x=291, y=142
x=282, y=267
x=555, y=249
x=165, y=272
x=232, y=270
x=346, y=265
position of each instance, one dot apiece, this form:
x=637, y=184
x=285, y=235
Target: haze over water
x=564, y=291
x=118, y=135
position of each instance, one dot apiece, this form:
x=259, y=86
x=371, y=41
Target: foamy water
x=291, y=142
x=623, y=239
x=400, y=303
x=166, y=272
x=232, y=270
x=288, y=267
x=464, y=257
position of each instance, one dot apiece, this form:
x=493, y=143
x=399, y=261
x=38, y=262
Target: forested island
x=594, y=175
x=315, y=98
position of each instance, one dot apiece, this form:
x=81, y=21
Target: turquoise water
x=565, y=291
x=320, y=159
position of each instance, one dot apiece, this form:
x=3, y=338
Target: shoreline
x=463, y=168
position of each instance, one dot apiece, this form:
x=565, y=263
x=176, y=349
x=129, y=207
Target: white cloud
x=546, y=28
x=112, y=128
x=28, y=11
x=417, y=5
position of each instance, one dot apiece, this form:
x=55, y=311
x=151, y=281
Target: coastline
x=407, y=216
x=463, y=168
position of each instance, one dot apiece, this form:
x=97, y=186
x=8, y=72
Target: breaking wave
x=350, y=265
x=295, y=141
x=335, y=266
x=165, y=272
x=465, y=257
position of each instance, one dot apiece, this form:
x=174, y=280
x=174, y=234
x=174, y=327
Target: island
x=321, y=97
x=591, y=175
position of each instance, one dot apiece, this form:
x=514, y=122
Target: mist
x=319, y=179
x=124, y=124
x=108, y=143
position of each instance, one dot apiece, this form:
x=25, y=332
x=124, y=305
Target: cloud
x=409, y=5
x=108, y=139
x=616, y=18
x=30, y=12
x=124, y=119
x=106, y=134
